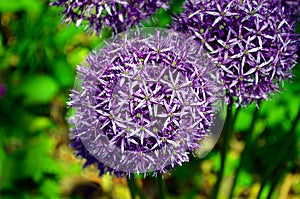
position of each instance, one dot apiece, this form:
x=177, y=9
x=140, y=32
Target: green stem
x=134, y=189
x=226, y=137
x=247, y=144
x=280, y=156
x=279, y=175
x=161, y=190
x=275, y=180
x=130, y=185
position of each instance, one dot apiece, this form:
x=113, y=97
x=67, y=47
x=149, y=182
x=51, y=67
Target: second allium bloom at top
x=118, y=15
x=251, y=42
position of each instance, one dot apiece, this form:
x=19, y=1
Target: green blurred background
x=38, y=57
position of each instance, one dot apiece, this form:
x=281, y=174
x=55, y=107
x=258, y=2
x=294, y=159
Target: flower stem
x=226, y=137
x=247, y=144
x=280, y=155
x=161, y=190
x=134, y=189
x=275, y=180
x=130, y=185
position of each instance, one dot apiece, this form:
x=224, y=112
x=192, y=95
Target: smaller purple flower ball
x=252, y=43
x=143, y=103
x=118, y=15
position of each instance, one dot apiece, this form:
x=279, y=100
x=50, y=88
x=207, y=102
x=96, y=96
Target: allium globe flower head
x=291, y=8
x=251, y=43
x=118, y=15
x=144, y=102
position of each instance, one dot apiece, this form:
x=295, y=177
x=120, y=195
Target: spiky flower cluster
x=145, y=101
x=290, y=7
x=250, y=41
x=118, y=15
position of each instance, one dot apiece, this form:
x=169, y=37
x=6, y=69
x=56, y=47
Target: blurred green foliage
x=38, y=58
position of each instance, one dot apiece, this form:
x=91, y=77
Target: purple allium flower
x=145, y=101
x=116, y=14
x=290, y=7
x=251, y=43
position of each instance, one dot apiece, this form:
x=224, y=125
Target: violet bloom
x=145, y=101
x=291, y=8
x=251, y=42
x=118, y=15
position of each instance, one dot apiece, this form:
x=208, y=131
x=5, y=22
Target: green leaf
x=30, y=196
x=217, y=162
x=39, y=89
x=18, y=5
x=64, y=74
x=276, y=115
x=2, y=157
x=8, y=172
x=38, y=159
x=2, y=50
x=232, y=162
x=77, y=56
x=50, y=189
x=243, y=120
x=245, y=179
x=40, y=123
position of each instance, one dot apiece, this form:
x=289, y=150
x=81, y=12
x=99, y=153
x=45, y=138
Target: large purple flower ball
x=117, y=15
x=144, y=102
x=252, y=43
